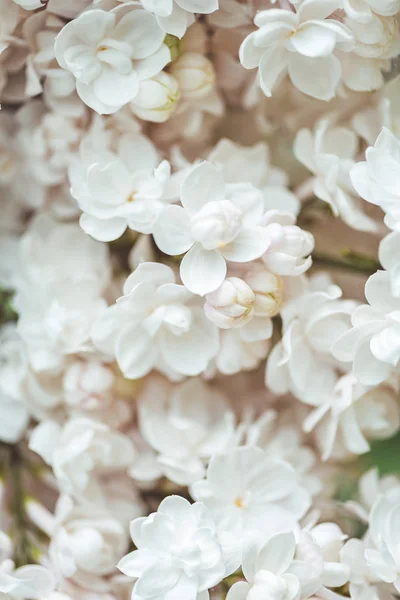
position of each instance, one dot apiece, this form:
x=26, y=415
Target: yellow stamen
x=239, y=503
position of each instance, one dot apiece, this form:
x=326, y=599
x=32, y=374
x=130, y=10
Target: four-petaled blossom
x=248, y=492
x=300, y=43
x=179, y=552
x=216, y=222
x=109, y=53
x=156, y=323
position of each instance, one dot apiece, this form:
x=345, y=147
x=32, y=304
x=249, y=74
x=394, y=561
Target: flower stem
x=352, y=261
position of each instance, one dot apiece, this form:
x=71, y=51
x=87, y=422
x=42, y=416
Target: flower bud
x=195, y=75
x=216, y=224
x=157, y=99
x=231, y=305
x=267, y=288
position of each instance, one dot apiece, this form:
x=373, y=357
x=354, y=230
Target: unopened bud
x=231, y=305
x=267, y=288
x=195, y=75
x=157, y=99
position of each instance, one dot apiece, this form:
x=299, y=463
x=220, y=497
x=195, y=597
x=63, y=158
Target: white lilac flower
x=80, y=452
x=186, y=425
x=372, y=344
x=363, y=10
x=351, y=415
x=59, y=282
x=382, y=557
x=301, y=43
x=238, y=353
x=329, y=154
x=216, y=222
x=377, y=179
x=302, y=362
x=267, y=571
x=175, y=16
x=86, y=541
x=252, y=164
x=251, y=494
x=109, y=53
x=156, y=324
x=31, y=582
x=117, y=189
x=179, y=552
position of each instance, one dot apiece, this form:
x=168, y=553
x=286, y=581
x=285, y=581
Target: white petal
x=238, y=591
x=202, y=271
x=273, y=66
x=203, y=183
x=171, y=231
x=135, y=352
x=277, y=553
x=141, y=31
x=104, y=230
x=316, y=77
x=113, y=88
x=313, y=40
x=250, y=244
x=250, y=54
x=204, y=7
x=317, y=9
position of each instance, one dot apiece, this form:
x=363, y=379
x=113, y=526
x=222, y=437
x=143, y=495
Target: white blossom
x=217, y=222
x=383, y=558
x=109, y=53
x=26, y=582
x=302, y=362
x=329, y=153
x=156, y=323
x=352, y=415
x=249, y=493
x=300, y=43
x=80, y=451
x=116, y=190
x=186, y=425
x=372, y=344
x=179, y=552
x=376, y=179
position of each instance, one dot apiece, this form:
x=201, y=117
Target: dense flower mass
x=200, y=299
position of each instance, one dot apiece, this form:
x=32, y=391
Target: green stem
x=12, y=467
x=352, y=262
